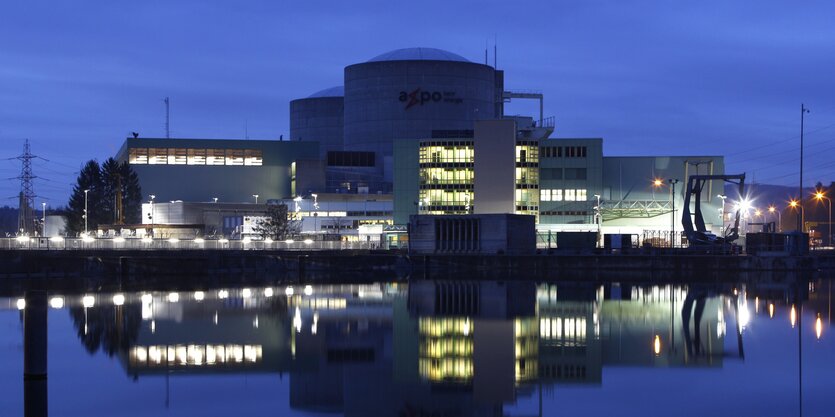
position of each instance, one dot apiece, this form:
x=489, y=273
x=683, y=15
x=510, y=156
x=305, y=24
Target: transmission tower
x=167, y=120
x=26, y=214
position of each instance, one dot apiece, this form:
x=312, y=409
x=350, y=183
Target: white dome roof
x=418, y=54
x=338, y=91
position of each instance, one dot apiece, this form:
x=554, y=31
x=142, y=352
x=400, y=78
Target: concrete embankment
x=373, y=264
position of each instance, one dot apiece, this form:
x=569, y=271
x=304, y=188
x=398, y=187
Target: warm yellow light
x=818, y=327
x=657, y=182
x=657, y=345
x=758, y=213
x=771, y=209
x=793, y=203
x=793, y=316
x=771, y=310
x=819, y=195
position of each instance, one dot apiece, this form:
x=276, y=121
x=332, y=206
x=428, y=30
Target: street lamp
x=256, y=198
x=772, y=210
x=215, y=199
x=85, y=211
x=820, y=196
x=597, y=217
x=673, y=183
x=43, y=223
x=803, y=111
x=152, y=214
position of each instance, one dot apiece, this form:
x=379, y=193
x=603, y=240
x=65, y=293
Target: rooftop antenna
x=485, y=51
x=25, y=213
x=495, y=51
x=167, y=120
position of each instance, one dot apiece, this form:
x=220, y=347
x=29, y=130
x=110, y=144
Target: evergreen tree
x=88, y=179
x=131, y=194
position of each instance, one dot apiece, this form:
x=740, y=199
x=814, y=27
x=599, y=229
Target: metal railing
x=44, y=243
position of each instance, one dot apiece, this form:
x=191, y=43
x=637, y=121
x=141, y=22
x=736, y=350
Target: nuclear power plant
x=409, y=132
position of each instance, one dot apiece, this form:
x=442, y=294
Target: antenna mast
x=25, y=213
x=167, y=125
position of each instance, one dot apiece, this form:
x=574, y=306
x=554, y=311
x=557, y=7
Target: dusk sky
x=649, y=77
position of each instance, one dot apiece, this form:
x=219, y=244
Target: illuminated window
x=158, y=156
x=581, y=195
x=570, y=195
x=253, y=157
x=197, y=157
x=234, y=157
x=177, y=156
x=138, y=155
x=215, y=156
x=556, y=195
x=545, y=195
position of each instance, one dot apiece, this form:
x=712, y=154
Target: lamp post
x=803, y=111
x=673, y=182
x=722, y=211
x=256, y=198
x=315, y=212
x=152, y=214
x=772, y=210
x=85, y=211
x=820, y=196
x=43, y=223
x=597, y=218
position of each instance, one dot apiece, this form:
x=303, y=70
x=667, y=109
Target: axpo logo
x=418, y=97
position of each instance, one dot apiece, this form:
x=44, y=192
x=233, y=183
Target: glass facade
x=195, y=156
x=446, y=177
x=527, y=178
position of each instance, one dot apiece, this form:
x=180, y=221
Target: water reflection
x=452, y=348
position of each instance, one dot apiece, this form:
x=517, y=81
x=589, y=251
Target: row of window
x=195, y=156
x=563, y=151
x=571, y=194
x=564, y=213
x=563, y=174
x=350, y=159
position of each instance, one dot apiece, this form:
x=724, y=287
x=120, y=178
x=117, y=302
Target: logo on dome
x=418, y=97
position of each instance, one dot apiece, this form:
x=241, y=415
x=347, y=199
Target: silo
x=408, y=93
x=319, y=118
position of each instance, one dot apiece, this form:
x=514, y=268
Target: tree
x=103, y=183
x=279, y=223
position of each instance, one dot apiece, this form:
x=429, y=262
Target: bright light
x=268, y=240
x=199, y=295
x=758, y=212
x=819, y=195
x=21, y=304
x=147, y=239
x=222, y=294
x=88, y=301
x=268, y=292
x=118, y=239
x=308, y=290
x=147, y=298
x=793, y=203
x=173, y=297
x=88, y=238
x=246, y=240
x=22, y=239
x=119, y=299
x=744, y=316
x=288, y=241
x=771, y=310
x=308, y=241
x=793, y=316
x=818, y=327
x=199, y=240
x=56, y=239
x=656, y=346
x=467, y=327
x=246, y=293
x=173, y=240
x=744, y=205
x=771, y=209
x=56, y=302
x=289, y=291
x=657, y=182
x=297, y=320
x=223, y=241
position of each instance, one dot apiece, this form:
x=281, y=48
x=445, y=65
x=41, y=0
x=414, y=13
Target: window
x=556, y=195
x=350, y=159
x=177, y=156
x=157, y=156
x=575, y=173
x=550, y=173
x=545, y=195
x=581, y=195
x=253, y=157
x=234, y=157
x=215, y=157
x=197, y=157
x=570, y=195
x=138, y=155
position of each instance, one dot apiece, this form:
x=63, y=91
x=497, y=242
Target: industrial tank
x=408, y=93
x=318, y=118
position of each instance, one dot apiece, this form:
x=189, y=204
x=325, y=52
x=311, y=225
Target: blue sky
x=650, y=77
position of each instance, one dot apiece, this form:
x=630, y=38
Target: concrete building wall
x=475, y=233
x=495, y=166
x=271, y=180
x=406, y=180
x=318, y=119
x=560, y=162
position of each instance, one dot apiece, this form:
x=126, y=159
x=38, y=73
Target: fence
x=61, y=243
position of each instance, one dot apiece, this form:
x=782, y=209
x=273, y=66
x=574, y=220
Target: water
x=432, y=349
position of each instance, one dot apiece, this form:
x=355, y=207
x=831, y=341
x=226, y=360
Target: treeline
x=104, y=184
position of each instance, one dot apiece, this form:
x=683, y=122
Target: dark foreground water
x=432, y=349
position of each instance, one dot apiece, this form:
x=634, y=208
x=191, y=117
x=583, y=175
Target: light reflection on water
x=432, y=348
